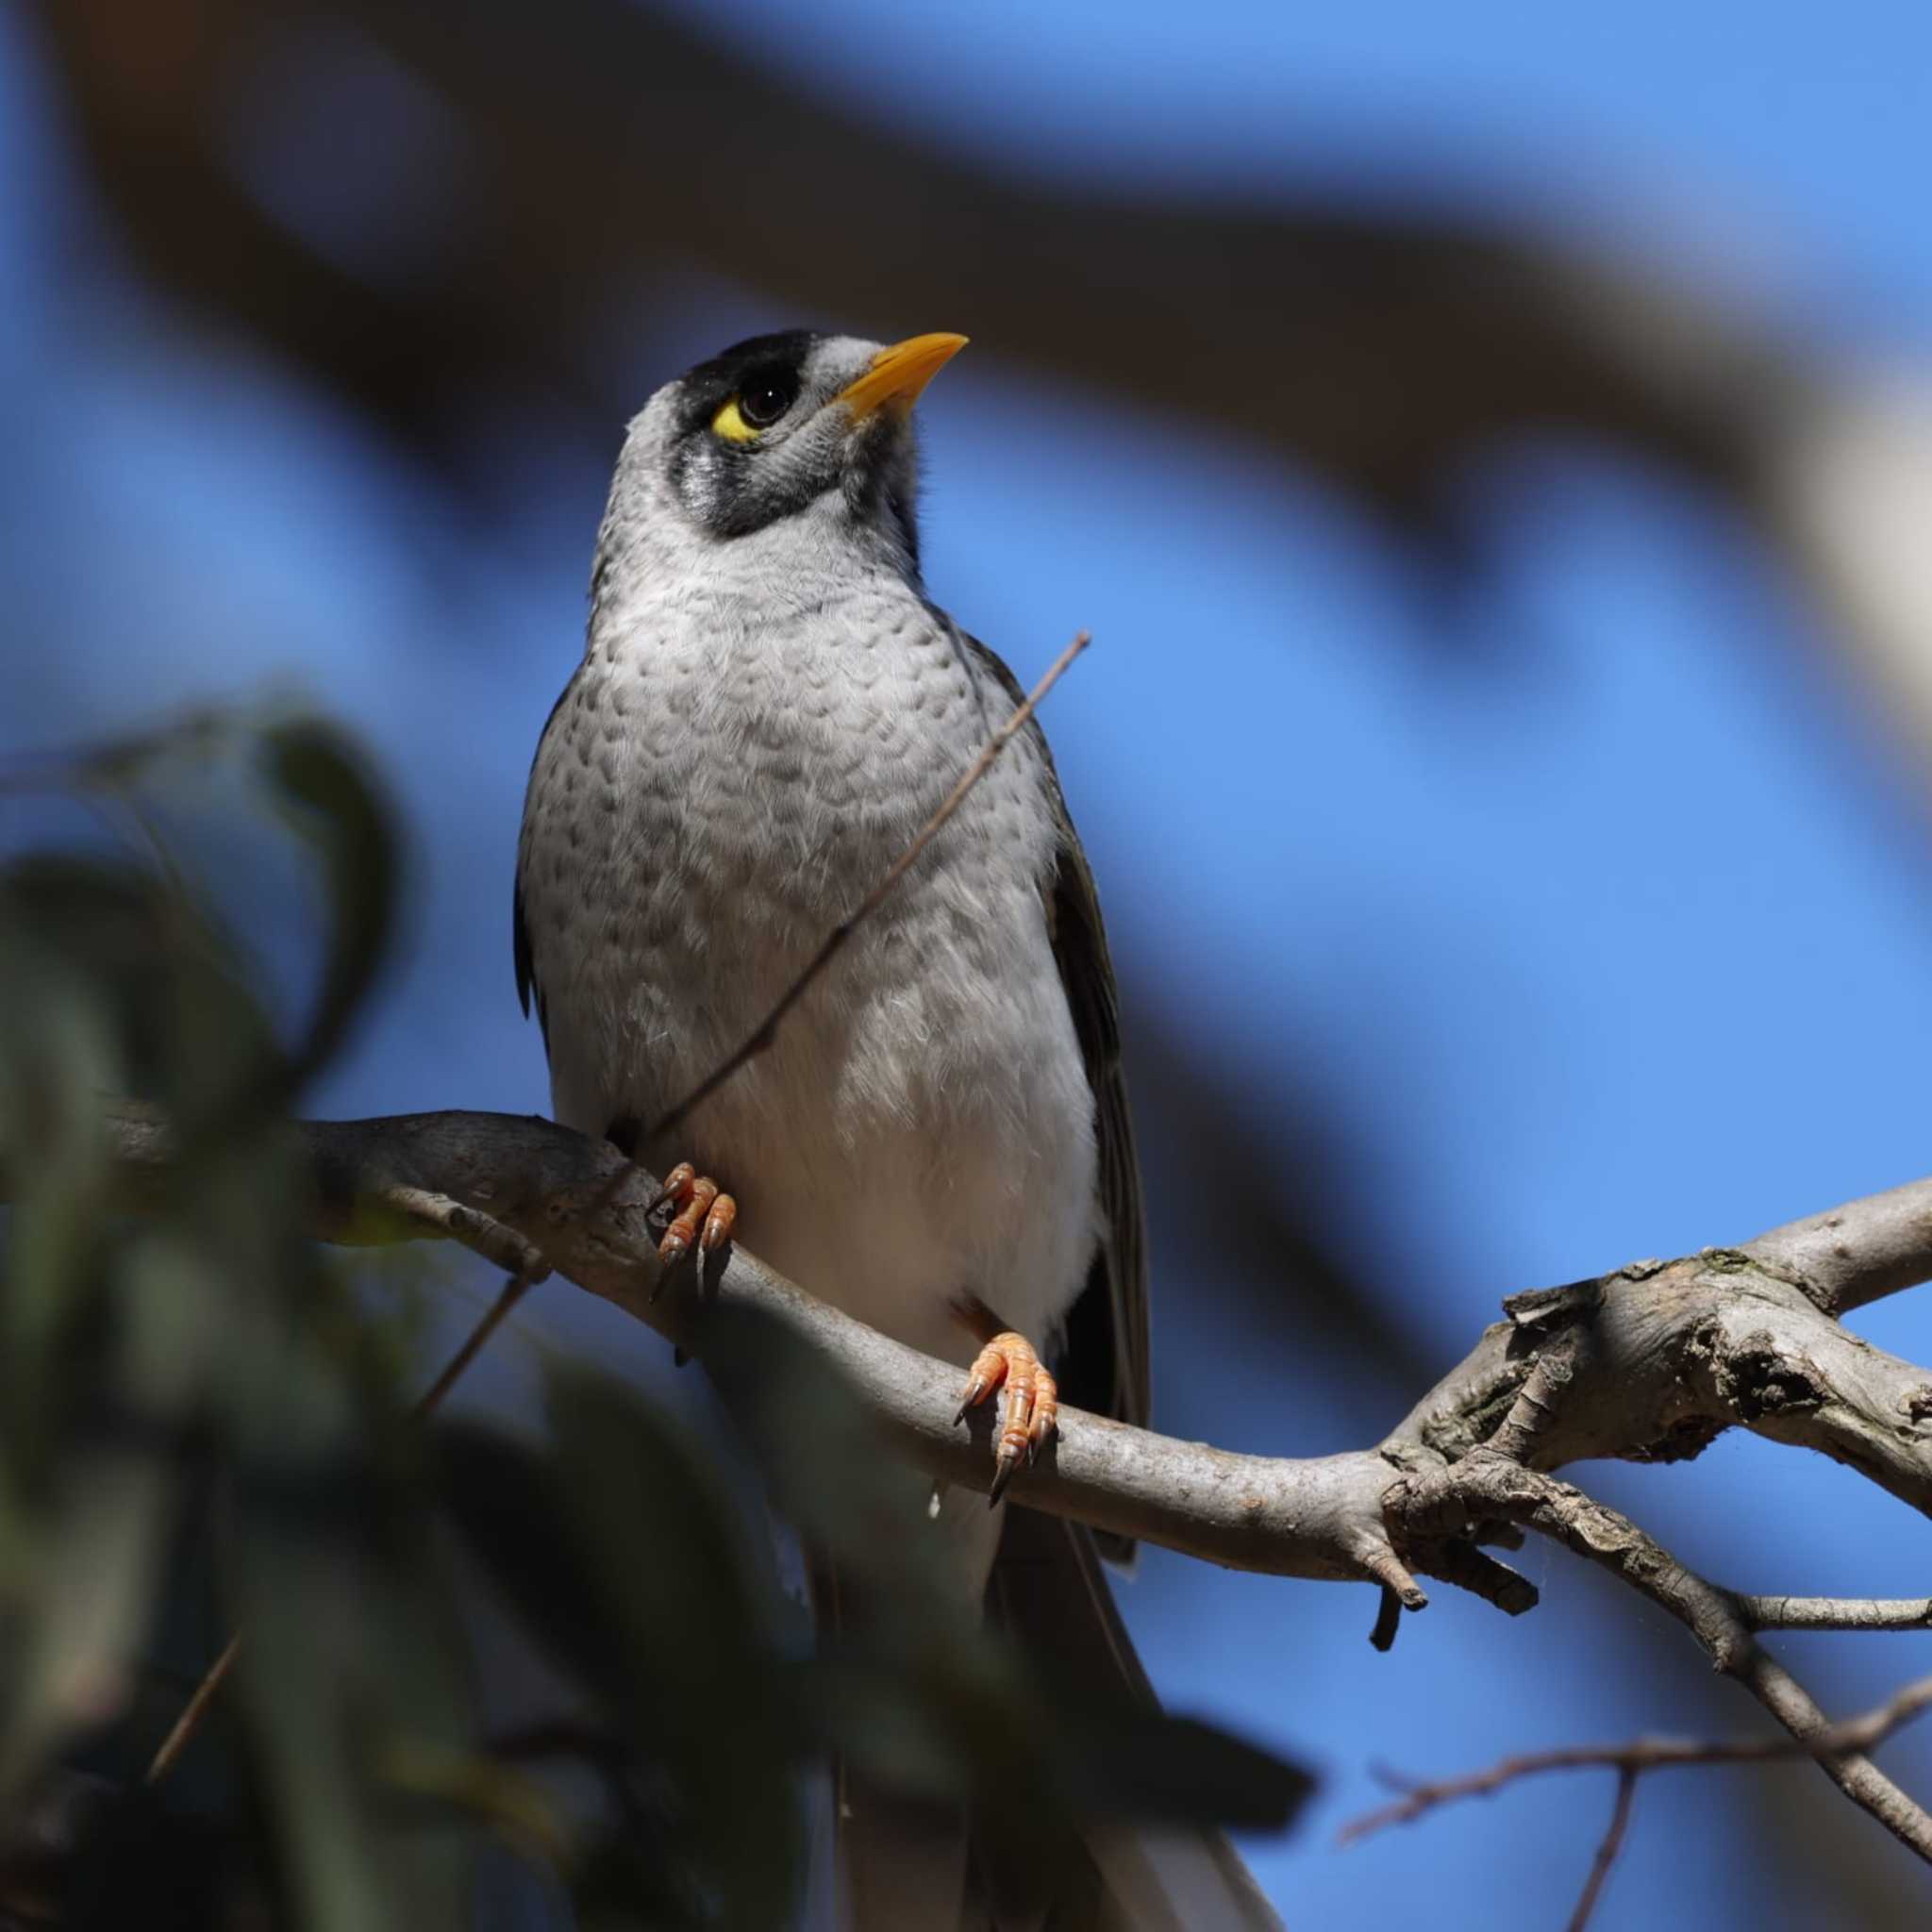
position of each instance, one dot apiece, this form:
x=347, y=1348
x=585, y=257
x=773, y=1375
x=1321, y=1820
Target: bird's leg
x=1032, y=1409
x=702, y=1214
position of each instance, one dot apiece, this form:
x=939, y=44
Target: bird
x=936, y=1140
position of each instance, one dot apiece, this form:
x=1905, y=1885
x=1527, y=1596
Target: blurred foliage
x=460, y=255
x=411, y=210
x=204, y=1426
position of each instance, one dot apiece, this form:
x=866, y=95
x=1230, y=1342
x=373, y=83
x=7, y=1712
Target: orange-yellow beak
x=898, y=375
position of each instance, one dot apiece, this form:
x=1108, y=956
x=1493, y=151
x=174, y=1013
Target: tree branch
x=586, y=1208
x=1862, y=1733
x=1656, y=1359
x=1649, y=1363
x=1854, y=1254
x=1835, y=1612
x=1605, y=1852
x=1487, y=1482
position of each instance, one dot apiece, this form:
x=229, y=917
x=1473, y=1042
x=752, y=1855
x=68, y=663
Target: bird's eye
x=755, y=406
x=761, y=403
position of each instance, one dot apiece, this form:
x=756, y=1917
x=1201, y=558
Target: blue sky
x=1613, y=940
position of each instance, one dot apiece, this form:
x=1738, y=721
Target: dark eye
x=765, y=398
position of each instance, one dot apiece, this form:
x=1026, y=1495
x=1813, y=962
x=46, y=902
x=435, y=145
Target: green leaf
x=88, y=1599
x=331, y=800
x=634, y=1566
x=1141, y=1764
x=511, y=1804
x=351, y=1669
x=56, y=1057
x=352, y=1658
x=507, y=1499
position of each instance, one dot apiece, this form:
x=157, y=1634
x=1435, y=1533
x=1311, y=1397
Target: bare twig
x=482, y=1234
x=762, y=1035
x=491, y=1319
x=1843, y=1761
x=1605, y=1852
x=1485, y=1484
x=105, y=765
x=1865, y=1733
x=197, y=1708
x=1640, y=1755
x=1486, y=1487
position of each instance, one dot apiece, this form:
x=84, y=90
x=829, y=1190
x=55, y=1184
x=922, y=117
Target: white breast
x=730, y=772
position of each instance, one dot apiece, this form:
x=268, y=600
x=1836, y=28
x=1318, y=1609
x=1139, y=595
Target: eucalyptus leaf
x=506, y=1498
x=698, y=1627
x=110, y=1516
x=56, y=1057
x=330, y=799
x=352, y=1665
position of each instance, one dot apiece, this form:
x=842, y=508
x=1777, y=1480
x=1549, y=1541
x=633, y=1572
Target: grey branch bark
x=1649, y=1363
x=1836, y=1612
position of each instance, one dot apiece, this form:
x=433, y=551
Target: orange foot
x=702, y=1214
x=1033, y=1402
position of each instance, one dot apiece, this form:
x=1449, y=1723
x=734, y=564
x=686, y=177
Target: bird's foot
x=702, y=1213
x=1033, y=1400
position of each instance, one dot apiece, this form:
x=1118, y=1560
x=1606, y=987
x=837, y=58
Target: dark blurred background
x=1492, y=450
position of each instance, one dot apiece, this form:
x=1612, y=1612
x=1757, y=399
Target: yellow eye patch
x=730, y=423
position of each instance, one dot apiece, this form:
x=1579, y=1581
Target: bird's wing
x=528, y=985
x=1105, y=1352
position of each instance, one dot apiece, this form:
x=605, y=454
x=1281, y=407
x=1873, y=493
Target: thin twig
x=1850, y=1770
x=1605, y=1852
x=763, y=1034
x=108, y=764
x=482, y=1234
x=1485, y=1485
x=1857, y=1734
x=492, y=1319
x=196, y=1709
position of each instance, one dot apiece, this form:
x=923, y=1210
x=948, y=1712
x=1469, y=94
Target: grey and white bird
x=769, y=707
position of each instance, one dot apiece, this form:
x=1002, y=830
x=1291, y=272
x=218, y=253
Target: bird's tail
x=907, y=1868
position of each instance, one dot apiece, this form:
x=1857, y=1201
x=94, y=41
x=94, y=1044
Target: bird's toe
x=1032, y=1407
x=701, y=1214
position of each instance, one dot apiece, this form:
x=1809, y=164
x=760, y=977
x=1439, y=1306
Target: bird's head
x=790, y=426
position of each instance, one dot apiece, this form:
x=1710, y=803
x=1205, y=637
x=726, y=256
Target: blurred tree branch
x=582, y=173
x=1383, y=350
x=1649, y=1363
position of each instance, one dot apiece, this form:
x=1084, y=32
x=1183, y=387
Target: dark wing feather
x=528, y=985
x=1107, y=1351
x=526, y=974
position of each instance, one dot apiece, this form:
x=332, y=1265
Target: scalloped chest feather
x=728, y=773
